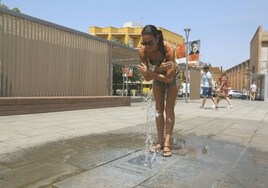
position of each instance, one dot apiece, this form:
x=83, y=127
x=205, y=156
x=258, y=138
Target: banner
x=127, y=71
x=130, y=72
x=194, y=51
x=180, y=51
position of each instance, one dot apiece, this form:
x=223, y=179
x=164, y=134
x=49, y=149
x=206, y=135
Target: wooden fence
x=39, y=58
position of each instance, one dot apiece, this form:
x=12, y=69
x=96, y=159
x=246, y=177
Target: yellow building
x=130, y=34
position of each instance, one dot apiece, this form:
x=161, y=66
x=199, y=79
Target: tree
x=118, y=76
x=117, y=70
x=6, y=7
x=16, y=9
x=3, y=6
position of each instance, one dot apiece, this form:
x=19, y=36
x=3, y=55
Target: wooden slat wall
x=38, y=59
x=195, y=80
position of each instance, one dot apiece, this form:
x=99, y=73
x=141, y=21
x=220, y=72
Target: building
x=239, y=76
x=46, y=67
x=259, y=52
x=130, y=34
x=216, y=73
x=256, y=68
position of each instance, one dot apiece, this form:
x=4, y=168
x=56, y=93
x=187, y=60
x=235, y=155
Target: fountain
x=150, y=159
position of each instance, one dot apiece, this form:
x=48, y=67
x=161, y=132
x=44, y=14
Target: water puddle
x=147, y=160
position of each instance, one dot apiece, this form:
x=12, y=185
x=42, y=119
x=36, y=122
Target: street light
x=187, y=32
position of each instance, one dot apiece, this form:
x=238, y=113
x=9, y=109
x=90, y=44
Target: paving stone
x=36, y=175
x=224, y=148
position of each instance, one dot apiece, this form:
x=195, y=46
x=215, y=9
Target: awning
x=124, y=55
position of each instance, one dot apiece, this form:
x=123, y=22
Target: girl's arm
x=223, y=82
x=170, y=67
x=144, y=66
x=170, y=72
x=168, y=78
x=164, y=66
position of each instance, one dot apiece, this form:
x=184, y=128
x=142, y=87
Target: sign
x=194, y=51
x=125, y=71
x=130, y=72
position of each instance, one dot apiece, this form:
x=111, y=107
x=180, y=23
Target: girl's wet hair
x=153, y=31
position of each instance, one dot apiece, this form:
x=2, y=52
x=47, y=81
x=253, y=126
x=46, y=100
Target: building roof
x=124, y=55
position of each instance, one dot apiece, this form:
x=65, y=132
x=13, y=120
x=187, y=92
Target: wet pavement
x=106, y=148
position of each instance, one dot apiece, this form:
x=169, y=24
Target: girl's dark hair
x=153, y=31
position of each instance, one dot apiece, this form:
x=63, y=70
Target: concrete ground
x=225, y=148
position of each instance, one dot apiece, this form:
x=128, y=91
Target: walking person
x=207, y=89
x=253, y=90
x=161, y=55
x=223, y=90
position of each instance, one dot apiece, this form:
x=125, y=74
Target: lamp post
x=187, y=32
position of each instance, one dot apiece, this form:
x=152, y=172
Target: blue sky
x=225, y=28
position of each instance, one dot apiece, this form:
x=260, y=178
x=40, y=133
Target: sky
x=224, y=28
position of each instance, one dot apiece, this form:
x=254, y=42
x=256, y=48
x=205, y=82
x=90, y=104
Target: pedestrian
x=159, y=53
x=223, y=90
x=253, y=89
x=207, y=88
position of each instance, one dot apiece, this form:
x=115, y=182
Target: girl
x=161, y=55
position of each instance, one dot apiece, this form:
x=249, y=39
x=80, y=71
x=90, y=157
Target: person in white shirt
x=207, y=89
x=253, y=90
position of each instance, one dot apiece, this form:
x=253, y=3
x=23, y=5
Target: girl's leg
x=214, y=100
x=204, y=99
x=159, y=95
x=229, y=102
x=218, y=99
x=172, y=93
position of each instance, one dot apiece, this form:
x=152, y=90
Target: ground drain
x=143, y=160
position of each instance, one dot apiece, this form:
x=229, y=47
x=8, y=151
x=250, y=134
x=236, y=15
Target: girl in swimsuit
x=161, y=54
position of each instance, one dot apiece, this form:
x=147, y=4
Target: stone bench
x=29, y=105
